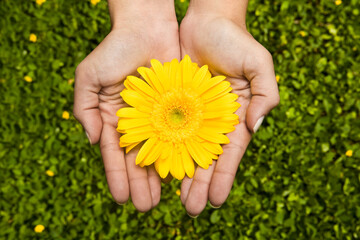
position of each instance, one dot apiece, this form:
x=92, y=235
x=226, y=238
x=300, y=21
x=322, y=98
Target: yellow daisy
x=181, y=113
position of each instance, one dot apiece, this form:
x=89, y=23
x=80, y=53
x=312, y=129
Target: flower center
x=177, y=116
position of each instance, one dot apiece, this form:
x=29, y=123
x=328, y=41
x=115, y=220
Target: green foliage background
x=294, y=182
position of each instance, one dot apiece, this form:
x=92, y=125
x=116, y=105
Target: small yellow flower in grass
x=50, y=173
x=94, y=2
x=338, y=2
x=182, y=114
x=70, y=81
x=40, y=2
x=349, y=153
x=66, y=115
x=33, y=37
x=303, y=33
x=277, y=78
x=182, y=1
x=39, y=228
x=178, y=192
x=28, y=78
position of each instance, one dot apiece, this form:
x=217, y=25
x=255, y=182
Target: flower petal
x=188, y=162
x=198, y=154
x=126, y=123
x=200, y=76
x=173, y=72
x=140, y=86
x=137, y=135
x=177, y=168
x=206, y=85
x=211, y=135
x=219, y=127
x=160, y=73
x=130, y=112
x=214, y=148
x=219, y=95
x=131, y=146
x=154, y=153
x=222, y=101
x=136, y=100
x=216, y=90
x=162, y=166
x=145, y=150
x=151, y=78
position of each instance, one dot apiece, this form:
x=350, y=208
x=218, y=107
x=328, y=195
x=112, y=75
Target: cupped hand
x=229, y=50
x=99, y=80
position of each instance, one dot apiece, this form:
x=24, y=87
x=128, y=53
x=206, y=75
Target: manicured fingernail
x=88, y=137
x=192, y=215
x=216, y=207
x=258, y=124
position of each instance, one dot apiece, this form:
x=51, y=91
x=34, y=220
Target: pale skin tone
x=213, y=33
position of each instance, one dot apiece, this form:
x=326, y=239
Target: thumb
x=86, y=101
x=264, y=91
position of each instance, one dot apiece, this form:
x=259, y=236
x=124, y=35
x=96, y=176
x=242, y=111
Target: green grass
x=294, y=182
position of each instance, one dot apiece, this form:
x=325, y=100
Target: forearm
x=232, y=9
x=132, y=10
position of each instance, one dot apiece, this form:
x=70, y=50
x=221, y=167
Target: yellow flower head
x=303, y=33
x=40, y=2
x=181, y=113
x=39, y=228
x=349, y=153
x=277, y=78
x=32, y=37
x=66, y=115
x=50, y=173
x=178, y=192
x=70, y=81
x=28, y=79
x=94, y=2
x=338, y=2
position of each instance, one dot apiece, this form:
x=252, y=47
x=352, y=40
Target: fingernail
x=88, y=137
x=192, y=215
x=216, y=207
x=258, y=124
x=120, y=204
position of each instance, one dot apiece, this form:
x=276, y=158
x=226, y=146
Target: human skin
x=141, y=30
x=214, y=32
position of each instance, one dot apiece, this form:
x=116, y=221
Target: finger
x=227, y=165
x=199, y=190
x=264, y=89
x=185, y=187
x=139, y=184
x=86, y=101
x=155, y=185
x=114, y=163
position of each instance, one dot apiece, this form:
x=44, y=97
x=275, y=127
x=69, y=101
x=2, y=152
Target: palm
x=231, y=51
x=102, y=73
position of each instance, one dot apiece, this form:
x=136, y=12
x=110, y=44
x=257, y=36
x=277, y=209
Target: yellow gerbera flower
x=182, y=113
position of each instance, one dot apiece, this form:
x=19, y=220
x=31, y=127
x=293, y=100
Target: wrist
x=235, y=10
x=123, y=12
